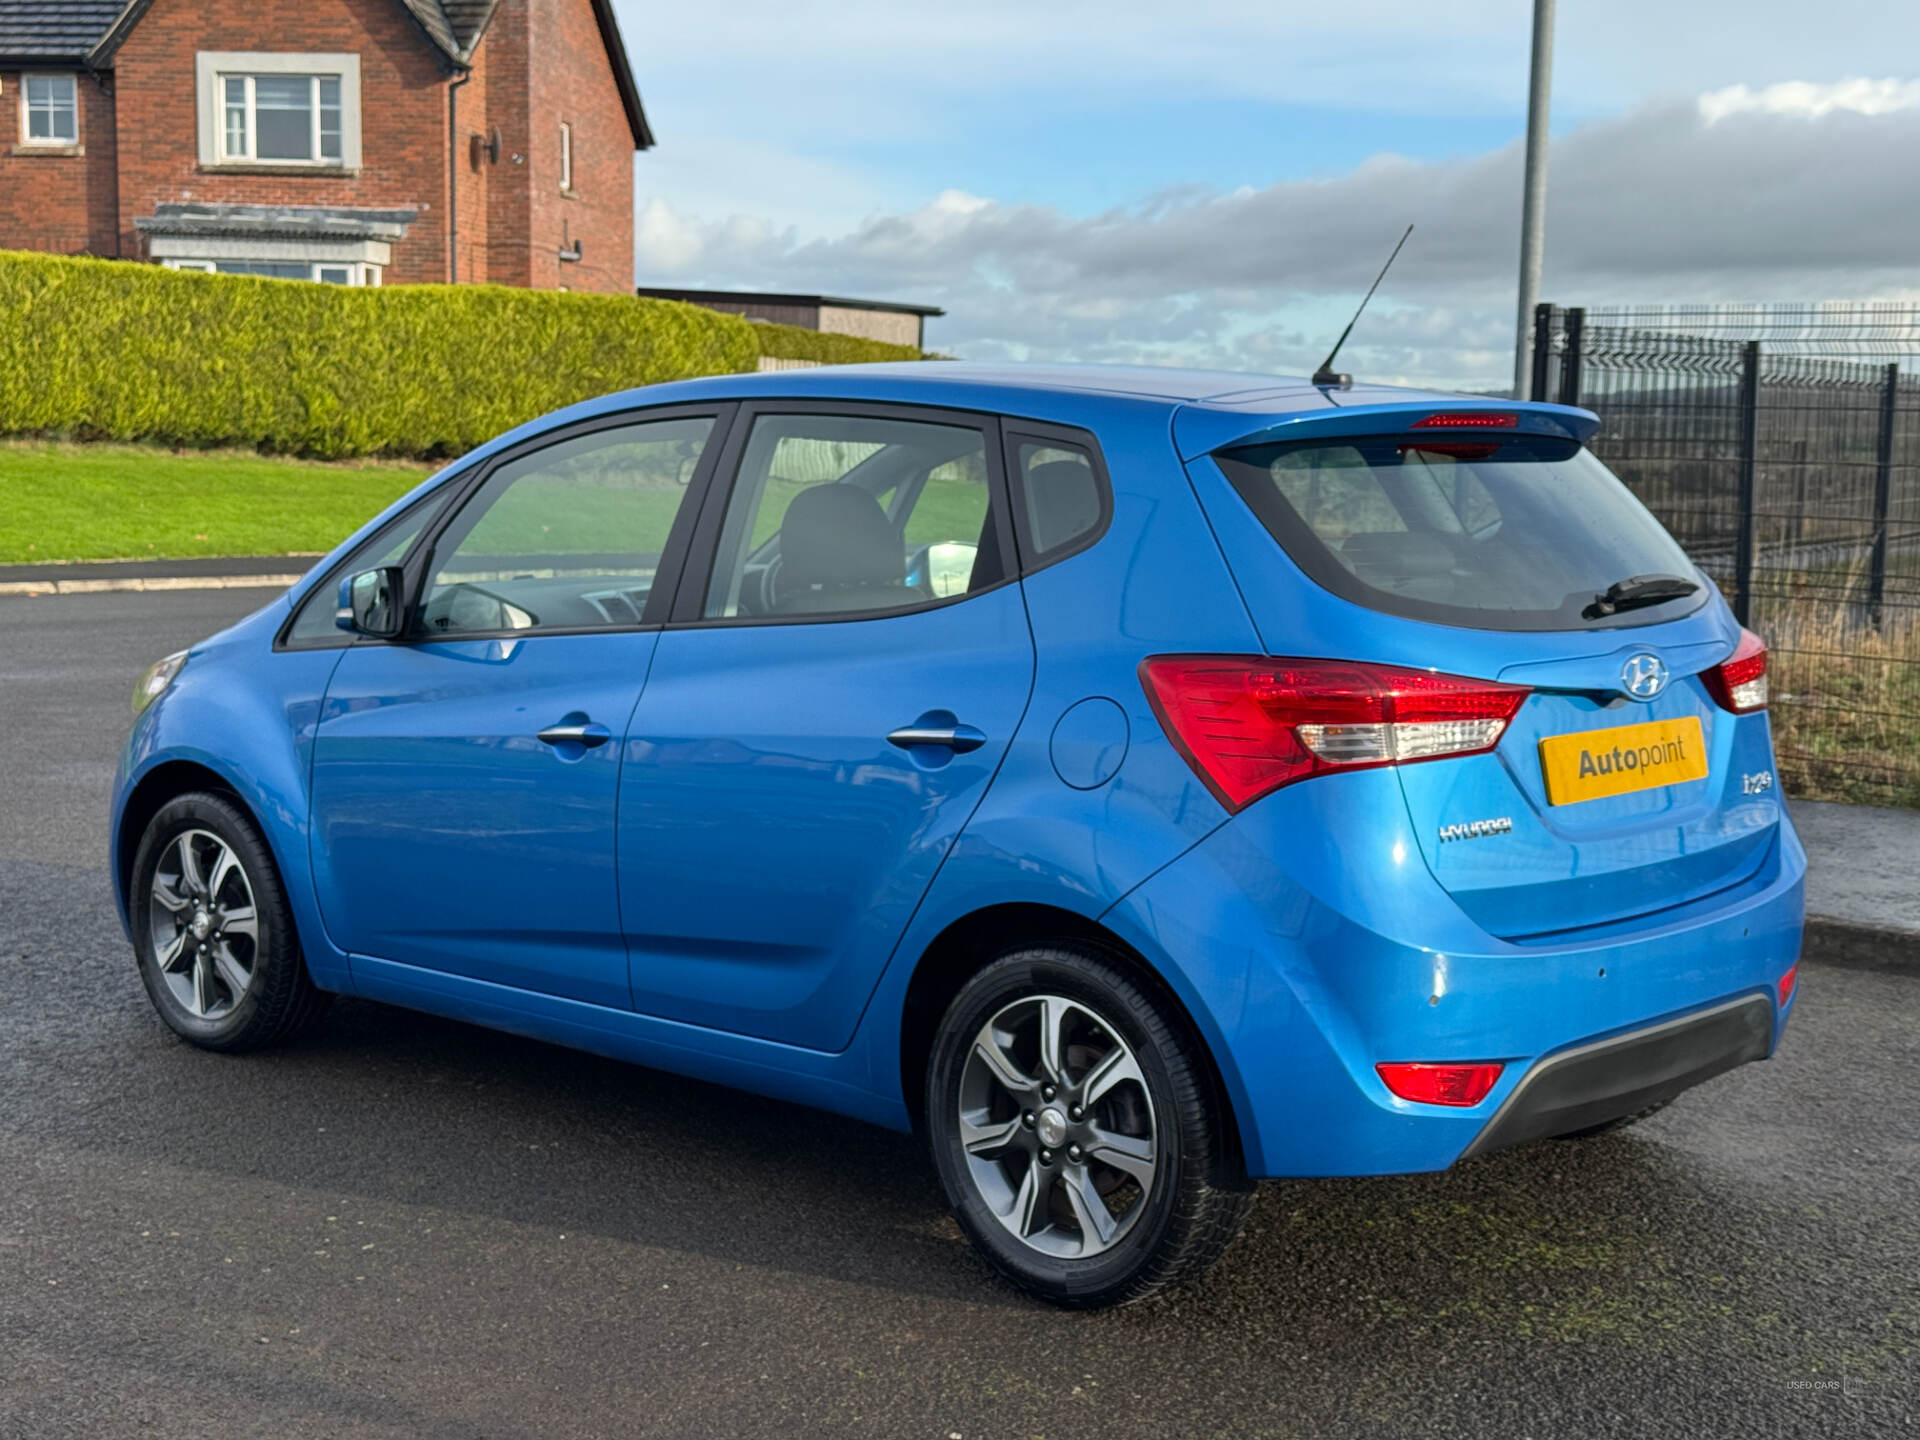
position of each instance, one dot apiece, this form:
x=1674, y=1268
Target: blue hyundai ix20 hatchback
x=1134, y=782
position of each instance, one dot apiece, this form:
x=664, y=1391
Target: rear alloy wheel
x=213, y=936
x=1076, y=1132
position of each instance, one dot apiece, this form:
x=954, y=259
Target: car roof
x=929, y=381
x=1208, y=408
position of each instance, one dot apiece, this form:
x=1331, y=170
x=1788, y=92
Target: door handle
x=957, y=738
x=589, y=734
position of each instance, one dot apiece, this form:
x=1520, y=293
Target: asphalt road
x=406, y=1227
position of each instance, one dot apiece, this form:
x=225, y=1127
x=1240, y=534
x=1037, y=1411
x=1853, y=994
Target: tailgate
x=1694, y=809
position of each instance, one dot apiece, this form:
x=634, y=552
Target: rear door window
x=1522, y=532
x=845, y=514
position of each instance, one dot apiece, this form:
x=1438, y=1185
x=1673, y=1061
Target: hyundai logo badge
x=1643, y=676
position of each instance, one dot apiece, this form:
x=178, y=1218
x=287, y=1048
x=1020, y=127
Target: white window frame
x=44, y=142
x=358, y=272
x=249, y=107
x=566, y=157
x=212, y=68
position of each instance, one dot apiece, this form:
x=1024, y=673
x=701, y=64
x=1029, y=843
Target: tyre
x=213, y=936
x=1077, y=1132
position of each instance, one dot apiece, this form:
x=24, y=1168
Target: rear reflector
x=1739, y=682
x=1467, y=420
x=1788, y=981
x=1250, y=724
x=1440, y=1084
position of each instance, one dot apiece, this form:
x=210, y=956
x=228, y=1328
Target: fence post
x=1743, y=555
x=1542, y=349
x=1882, y=493
x=1570, y=361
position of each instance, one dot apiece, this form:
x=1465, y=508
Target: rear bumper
x=1609, y=1079
x=1310, y=944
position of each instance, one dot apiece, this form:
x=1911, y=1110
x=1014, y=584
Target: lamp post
x=1533, y=205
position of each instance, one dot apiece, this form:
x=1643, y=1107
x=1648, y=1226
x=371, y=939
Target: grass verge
x=61, y=501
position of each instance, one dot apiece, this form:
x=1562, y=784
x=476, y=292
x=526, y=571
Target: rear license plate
x=1597, y=763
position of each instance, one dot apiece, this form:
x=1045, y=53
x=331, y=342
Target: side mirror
x=370, y=603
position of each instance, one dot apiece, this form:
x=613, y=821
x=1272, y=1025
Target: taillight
x=1431, y=1084
x=1788, y=981
x=1248, y=724
x=1739, y=682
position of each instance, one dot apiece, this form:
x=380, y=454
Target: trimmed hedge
x=790, y=342
x=108, y=349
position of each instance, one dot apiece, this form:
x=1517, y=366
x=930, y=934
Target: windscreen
x=1520, y=532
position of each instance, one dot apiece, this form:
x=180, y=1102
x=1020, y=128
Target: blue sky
x=1208, y=182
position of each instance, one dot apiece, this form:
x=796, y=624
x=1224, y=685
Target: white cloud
x=1809, y=101
x=1758, y=201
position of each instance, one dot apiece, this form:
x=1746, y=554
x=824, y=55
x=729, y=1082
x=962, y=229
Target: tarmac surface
x=402, y=1226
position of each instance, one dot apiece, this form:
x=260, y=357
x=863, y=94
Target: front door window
x=567, y=538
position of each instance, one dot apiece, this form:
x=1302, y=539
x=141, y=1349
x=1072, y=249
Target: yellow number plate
x=1597, y=763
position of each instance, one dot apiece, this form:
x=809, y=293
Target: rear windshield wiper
x=1638, y=590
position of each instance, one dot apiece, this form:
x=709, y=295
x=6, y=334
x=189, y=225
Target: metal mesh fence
x=1792, y=475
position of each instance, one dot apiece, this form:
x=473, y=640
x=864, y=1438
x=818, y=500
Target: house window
x=280, y=117
x=269, y=108
x=326, y=272
x=50, y=106
x=566, y=156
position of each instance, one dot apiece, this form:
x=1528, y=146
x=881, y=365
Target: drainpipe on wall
x=453, y=175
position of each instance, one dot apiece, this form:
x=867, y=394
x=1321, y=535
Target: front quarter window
x=313, y=624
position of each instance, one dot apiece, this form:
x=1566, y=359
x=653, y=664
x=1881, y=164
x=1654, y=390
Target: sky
x=1214, y=182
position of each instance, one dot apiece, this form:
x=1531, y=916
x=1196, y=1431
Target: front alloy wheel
x=212, y=931
x=1078, y=1130
x=202, y=925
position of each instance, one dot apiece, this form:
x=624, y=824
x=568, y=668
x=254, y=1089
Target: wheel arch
x=973, y=941
x=164, y=782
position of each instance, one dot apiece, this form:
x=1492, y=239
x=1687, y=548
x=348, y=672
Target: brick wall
x=61, y=200
x=503, y=57
x=403, y=87
x=570, y=80
x=474, y=184
x=541, y=62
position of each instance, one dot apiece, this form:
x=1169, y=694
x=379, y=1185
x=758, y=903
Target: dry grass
x=1846, y=695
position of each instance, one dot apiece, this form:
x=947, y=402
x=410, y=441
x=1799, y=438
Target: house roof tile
x=89, y=31
x=54, y=29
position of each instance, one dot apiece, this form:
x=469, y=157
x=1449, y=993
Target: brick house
x=351, y=141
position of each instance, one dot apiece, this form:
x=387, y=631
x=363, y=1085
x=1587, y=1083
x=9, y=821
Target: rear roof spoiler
x=1202, y=429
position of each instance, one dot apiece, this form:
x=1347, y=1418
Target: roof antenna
x=1326, y=374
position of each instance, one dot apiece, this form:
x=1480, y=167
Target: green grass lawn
x=62, y=501
x=123, y=502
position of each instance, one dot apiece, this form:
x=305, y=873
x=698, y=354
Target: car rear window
x=1519, y=532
